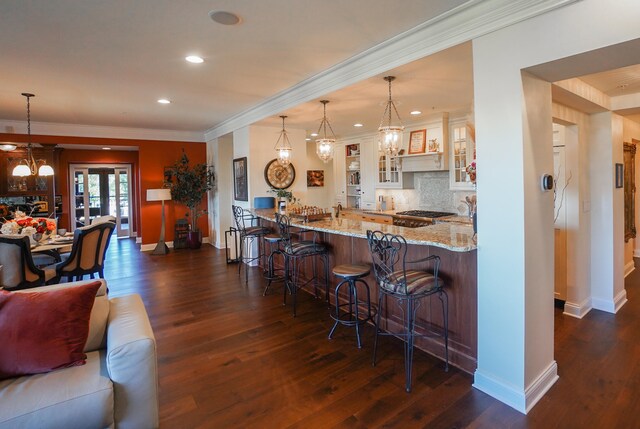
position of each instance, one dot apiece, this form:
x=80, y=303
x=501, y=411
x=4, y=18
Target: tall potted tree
x=190, y=184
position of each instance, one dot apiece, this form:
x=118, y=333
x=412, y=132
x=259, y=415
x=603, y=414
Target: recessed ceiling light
x=307, y=139
x=622, y=86
x=416, y=112
x=314, y=134
x=164, y=101
x=194, y=59
x=224, y=18
x=358, y=125
x=106, y=148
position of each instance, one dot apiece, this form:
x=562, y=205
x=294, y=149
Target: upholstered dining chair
x=88, y=251
x=408, y=287
x=18, y=269
x=102, y=219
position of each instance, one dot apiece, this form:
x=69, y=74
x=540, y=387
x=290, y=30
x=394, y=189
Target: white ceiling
x=106, y=63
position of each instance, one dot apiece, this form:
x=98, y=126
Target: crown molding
x=473, y=19
x=76, y=130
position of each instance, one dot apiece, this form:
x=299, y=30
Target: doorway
x=101, y=190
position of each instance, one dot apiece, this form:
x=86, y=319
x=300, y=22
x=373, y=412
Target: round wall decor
x=279, y=176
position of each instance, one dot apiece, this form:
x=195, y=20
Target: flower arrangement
x=28, y=226
x=471, y=171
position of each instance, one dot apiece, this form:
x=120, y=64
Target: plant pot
x=194, y=239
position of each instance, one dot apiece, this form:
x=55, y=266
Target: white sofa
x=116, y=388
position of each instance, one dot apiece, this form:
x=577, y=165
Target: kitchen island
x=452, y=242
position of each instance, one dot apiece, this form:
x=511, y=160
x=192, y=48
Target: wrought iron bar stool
x=408, y=287
x=351, y=275
x=248, y=234
x=273, y=240
x=295, y=252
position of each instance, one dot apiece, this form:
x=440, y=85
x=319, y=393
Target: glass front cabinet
x=462, y=154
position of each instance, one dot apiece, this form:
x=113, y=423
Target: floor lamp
x=160, y=195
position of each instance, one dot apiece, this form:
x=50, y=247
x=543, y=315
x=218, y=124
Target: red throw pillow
x=43, y=331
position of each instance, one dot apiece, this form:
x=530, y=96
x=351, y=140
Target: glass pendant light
x=283, y=146
x=390, y=135
x=28, y=166
x=325, y=146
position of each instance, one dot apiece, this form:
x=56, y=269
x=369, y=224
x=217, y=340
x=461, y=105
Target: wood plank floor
x=229, y=358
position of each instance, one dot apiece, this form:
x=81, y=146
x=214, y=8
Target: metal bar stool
x=295, y=252
x=351, y=275
x=408, y=287
x=248, y=233
x=273, y=240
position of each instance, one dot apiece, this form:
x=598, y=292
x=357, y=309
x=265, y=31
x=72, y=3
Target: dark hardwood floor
x=229, y=358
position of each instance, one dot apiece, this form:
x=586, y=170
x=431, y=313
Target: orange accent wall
x=147, y=170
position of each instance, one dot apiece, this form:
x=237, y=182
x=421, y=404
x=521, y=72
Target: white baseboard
x=577, y=310
x=522, y=401
x=138, y=240
x=629, y=268
x=610, y=306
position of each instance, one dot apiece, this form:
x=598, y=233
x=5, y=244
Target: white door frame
x=73, y=168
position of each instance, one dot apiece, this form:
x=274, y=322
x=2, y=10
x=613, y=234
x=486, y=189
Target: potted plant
x=190, y=184
x=284, y=197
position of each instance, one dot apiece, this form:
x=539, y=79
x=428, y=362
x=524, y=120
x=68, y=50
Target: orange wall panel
x=148, y=164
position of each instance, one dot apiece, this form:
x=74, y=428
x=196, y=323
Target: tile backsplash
x=431, y=193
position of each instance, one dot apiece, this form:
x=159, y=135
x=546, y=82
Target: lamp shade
x=45, y=170
x=163, y=194
x=21, y=170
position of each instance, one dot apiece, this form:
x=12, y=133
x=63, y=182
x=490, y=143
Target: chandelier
x=325, y=146
x=28, y=166
x=283, y=146
x=390, y=135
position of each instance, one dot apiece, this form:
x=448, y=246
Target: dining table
x=54, y=247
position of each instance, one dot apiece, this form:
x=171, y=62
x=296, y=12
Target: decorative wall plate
x=279, y=176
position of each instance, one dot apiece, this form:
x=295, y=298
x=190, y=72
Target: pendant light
x=390, y=135
x=28, y=166
x=325, y=146
x=283, y=146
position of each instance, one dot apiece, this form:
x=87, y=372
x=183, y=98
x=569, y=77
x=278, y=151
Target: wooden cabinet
x=377, y=218
x=31, y=188
x=354, y=173
x=462, y=153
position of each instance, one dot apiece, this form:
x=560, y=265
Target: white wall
x=220, y=155
x=578, y=206
x=514, y=360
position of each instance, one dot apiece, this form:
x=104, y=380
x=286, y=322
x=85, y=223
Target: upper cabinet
x=462, y=154
x=30, y=185
x=354, y=169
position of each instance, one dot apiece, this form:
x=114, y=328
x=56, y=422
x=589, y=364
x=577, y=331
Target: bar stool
x=248, y=233
x=388, y=253
x=295, y=251
x=273, y=240
x=351, y=275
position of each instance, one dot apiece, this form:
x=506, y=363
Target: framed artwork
x=168, y=177
x=315, y=178
x=619, y=175
x=629, y=191
x=417, y=141
x=240, y=179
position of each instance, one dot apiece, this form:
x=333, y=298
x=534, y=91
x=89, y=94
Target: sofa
x=116, y=388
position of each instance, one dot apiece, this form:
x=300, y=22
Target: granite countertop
x=452, y=236
x=456, y=219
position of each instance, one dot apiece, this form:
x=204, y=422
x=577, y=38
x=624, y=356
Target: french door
x=101, y=190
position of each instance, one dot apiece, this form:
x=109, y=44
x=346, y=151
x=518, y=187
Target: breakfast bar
x=453, y=242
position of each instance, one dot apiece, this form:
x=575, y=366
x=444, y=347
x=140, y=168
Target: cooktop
x=424, y=213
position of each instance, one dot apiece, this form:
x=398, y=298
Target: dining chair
x=90, y=244
x=408, y=287
x=102, y=219
x=18, y=269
